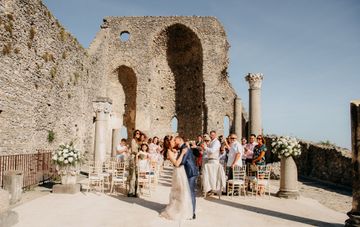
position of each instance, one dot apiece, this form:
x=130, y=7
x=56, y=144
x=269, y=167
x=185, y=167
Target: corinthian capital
x=255, y=80
x=102, y=105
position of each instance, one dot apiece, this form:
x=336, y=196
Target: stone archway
x=185, y=58
x=122, y=91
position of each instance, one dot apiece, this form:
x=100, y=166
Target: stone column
x=354, y=214
x=102, y=107
x=116, y=137
x=255, y=81
x=238, y=117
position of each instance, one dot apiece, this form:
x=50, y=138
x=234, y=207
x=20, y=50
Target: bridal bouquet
x=67, y=155
x=286, y=146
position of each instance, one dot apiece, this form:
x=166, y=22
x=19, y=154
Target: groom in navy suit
x=191, y=170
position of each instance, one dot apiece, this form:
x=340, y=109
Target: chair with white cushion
x=238, y=182
x=119, y=177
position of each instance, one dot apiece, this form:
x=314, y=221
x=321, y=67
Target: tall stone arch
x=123, y=92
x=179, y=67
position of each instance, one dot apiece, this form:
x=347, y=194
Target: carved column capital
x=102, y=104
x=254, y=80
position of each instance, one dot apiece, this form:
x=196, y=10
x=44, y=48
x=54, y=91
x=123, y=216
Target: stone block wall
x=169, y=67
x=45, y=82
x=327, y=163
x=180, y=69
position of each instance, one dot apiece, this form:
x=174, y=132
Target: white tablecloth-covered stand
x=213, y=177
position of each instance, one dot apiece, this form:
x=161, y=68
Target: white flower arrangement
x=67, y=155
x=286, y=146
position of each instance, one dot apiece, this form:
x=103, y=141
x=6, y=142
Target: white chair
x=119, y=177
x=261, y=184
x=95, y=178
x=153, y=174
x=238, y=182
x=144, y=181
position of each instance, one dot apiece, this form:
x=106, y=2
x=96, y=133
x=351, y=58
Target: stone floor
x=96, y=209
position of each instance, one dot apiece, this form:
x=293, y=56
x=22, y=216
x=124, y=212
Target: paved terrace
x=97, y=209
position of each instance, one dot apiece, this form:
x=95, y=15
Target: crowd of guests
x=206, y=148
x=229, y=151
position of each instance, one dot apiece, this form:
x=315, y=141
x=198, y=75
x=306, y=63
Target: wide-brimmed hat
x=207, y=138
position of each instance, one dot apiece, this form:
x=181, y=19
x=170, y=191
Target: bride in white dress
x=180, y=205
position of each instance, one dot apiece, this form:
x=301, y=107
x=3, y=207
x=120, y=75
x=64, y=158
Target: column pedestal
x=288, y=179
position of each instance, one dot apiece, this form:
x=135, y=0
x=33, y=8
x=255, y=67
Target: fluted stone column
x=102, y=107
x=354, y=214
x=238, y=117
x=255, y=81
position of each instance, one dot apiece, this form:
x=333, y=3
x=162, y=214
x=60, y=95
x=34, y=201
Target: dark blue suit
x=191, y=171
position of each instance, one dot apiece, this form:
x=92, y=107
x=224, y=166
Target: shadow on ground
x=272, y=213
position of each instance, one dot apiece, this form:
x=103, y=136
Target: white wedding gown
x=180, y=205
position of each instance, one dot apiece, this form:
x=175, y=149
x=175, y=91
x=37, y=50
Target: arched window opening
x=226, y=126
x=174, y=125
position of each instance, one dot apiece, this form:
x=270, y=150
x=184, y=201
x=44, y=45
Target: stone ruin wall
x=326, y=163
x=48, y=80
x=45, y=81
x=179, y=65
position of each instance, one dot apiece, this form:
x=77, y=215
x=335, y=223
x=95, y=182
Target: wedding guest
x=198, y=144
x=143, y=138
x=221, y=139
x=243, y=141
x=132, y=164
x=143, y=158
x=199, y=140
x=149, y=141
x=212, y=150
x=121, y=150
x=259, y=152
x=154, y=149
x=236, y=150
x=249, y=149
x=206, y=143
x=223, y=154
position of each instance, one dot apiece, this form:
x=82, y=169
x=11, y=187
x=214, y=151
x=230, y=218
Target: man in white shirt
x=213, y=150
x=236, y=150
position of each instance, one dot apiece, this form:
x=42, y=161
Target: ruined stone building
x=149, y=69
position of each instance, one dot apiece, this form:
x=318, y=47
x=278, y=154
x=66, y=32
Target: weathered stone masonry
x=169, y=67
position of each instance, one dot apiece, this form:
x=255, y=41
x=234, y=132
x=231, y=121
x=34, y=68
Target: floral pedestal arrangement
x=68, y=175
x=287, y=148
x=67, y=160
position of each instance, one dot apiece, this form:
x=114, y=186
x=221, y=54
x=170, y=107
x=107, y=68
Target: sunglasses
x=259, y=138
x=232, y=138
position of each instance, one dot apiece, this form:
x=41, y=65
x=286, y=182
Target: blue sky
x=308, y=51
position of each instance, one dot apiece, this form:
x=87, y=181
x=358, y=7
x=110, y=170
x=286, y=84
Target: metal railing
x=36, y=167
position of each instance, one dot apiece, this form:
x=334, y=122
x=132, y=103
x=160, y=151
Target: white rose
x=61, y=159
x=66, y=161
x=70, y=159
x=54, y=157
